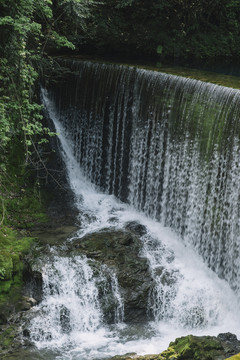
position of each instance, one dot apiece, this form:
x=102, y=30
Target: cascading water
x=167, y=145
x=78, y=308
x=169, y=148
x=70, y=311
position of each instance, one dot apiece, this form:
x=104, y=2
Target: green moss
x=11, y=291
x=7, y=337
x=5, y=286
x=12, y=249
x=24, y=210
x=196, y=348
x=169, y=354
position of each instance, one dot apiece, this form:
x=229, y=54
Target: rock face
x=230, y=343
x=121, y=251
x=195, y=348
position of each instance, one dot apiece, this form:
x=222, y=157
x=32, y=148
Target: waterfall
x=167, y=145
x=163, y=151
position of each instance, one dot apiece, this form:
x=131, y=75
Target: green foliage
x=71, y=20
x=194, y=30
x=19, y=114
x=28, y=29
x=159, y=49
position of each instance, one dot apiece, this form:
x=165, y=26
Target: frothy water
x=70, y=315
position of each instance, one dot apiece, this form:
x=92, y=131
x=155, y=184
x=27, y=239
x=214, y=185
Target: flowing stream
x=163, y=151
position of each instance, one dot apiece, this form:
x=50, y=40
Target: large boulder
x=121, y=251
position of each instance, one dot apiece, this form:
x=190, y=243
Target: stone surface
x=136, y=228
x=121, y=251
x=27, y=303
x=230, y=343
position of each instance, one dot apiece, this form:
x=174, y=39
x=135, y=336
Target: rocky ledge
x=120, y=250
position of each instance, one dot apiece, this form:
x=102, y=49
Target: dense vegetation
x=175, y=29
x=28, y=33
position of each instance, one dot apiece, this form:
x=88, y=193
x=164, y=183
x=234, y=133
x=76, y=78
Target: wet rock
x=34, y=284
x=136, y=228
x=121, y=251
x=3, y=319
x=228, y=337
x=26, y=333
x=37, y=285
x=106, y=292
x=25, y=306
x=9, y=339
x=27, y=303
x=65, y=320
x=126, y=240
x=54, y=236
x=230, y=343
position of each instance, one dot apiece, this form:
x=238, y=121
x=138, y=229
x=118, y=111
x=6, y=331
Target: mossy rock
x=197, y=348
x=10, y=341
x=10, y=294
x=7, y=337
x=235, y=357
